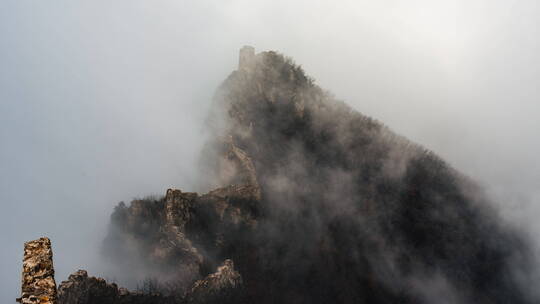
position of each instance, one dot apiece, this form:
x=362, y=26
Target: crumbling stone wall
x=38, y=285
x=83, y=289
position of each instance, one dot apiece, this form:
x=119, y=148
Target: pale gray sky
x=102, y=101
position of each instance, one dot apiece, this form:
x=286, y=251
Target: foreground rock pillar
x=38, y=285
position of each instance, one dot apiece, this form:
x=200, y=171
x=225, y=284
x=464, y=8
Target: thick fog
x=105, y=101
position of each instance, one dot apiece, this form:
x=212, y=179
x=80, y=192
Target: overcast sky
x=103, y=101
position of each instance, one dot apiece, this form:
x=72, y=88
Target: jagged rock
x=82, y=289
x=182, y=233
x=38, y=285
x=178, y=212
x=223, y=286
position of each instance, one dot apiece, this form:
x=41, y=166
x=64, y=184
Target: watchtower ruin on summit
x=247, y=56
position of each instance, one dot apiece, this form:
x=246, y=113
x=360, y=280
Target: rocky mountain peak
x=315, y=203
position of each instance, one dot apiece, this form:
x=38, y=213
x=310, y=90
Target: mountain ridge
x=339, y=188
x=310, y=201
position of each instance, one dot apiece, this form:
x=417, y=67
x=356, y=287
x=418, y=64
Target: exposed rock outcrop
x=38, y=285
x=183, y=234
x=82, y=289
x=223, y=286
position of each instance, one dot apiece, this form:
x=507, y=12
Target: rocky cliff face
x=183, y=235
x=82, y=289
x=312, y=203
x=222, y=286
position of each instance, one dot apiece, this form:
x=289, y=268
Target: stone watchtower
x=38, y=285
x=247, y=56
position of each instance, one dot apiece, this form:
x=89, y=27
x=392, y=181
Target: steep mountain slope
x=316, y=203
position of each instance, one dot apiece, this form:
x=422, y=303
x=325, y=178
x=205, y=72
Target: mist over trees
x=317, y=203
